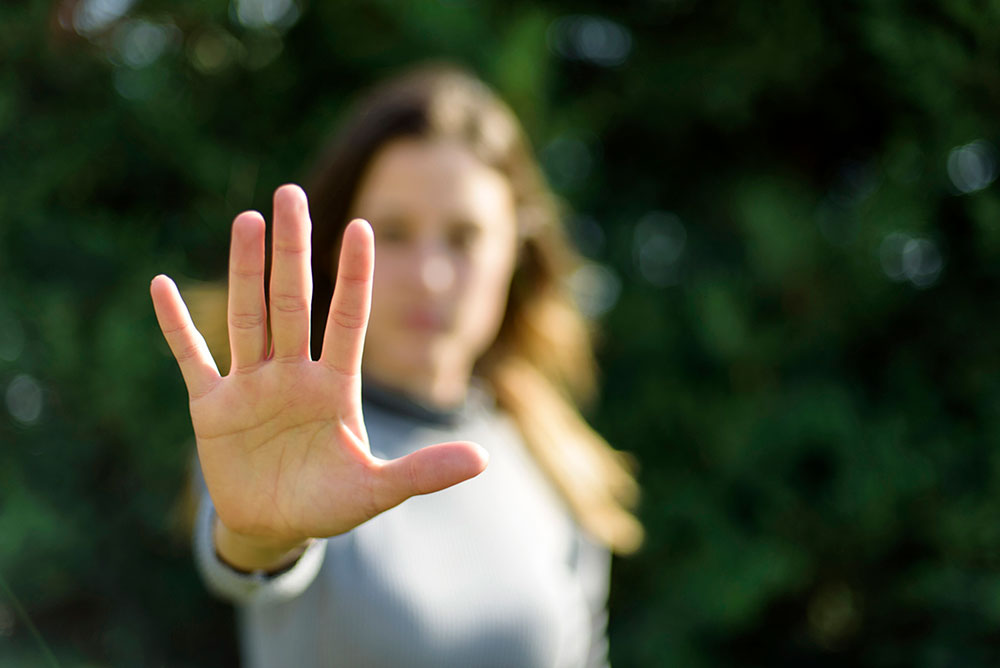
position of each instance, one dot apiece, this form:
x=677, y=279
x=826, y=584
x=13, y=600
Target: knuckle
x=188, y=352
x=246, y=320
x=413, y=478
x=246, y=273
x=289, y=303
x=353, y=279
x=347, y=320
x=174, y=332
x=290, y=249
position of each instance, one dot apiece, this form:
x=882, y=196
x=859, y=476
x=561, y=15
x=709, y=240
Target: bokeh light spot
x=213, y=51
x=93, y=16
x=834, y=615
x=973, y=166
x=592, y=39
x=596, y=288
x=913, y=259
x=264, y=13
x=140, y=43
x=922, y=262
x=24, y=399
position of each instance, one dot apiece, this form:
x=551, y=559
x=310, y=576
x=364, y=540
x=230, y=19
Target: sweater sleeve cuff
x=257, y=587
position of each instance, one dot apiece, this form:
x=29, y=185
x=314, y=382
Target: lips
x=424, y=319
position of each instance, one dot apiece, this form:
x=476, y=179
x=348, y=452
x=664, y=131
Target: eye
x=464, y=236
x=390, y=230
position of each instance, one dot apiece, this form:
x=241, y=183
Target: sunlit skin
x=446, y=241
x=281, y=438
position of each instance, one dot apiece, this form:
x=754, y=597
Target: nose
x=436, y=273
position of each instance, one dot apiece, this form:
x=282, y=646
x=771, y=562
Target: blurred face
x=445, y=247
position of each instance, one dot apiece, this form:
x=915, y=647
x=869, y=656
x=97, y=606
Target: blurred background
x=792, y=231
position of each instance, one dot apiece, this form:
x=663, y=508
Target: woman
x=472, y=342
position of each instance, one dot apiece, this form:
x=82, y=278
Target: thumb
x=427, y=470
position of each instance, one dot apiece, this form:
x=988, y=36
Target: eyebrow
x=398, y=215
x=464, y=222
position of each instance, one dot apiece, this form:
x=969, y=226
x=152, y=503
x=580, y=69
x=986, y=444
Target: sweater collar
x=395, y=401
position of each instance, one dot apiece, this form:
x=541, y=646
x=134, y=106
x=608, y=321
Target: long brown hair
x=542, y=364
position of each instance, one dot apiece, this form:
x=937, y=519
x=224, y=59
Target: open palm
x=281, y=438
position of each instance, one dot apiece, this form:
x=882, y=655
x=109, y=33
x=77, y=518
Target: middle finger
x=291, y=277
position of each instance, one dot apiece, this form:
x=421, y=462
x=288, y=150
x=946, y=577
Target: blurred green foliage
x=793, y=231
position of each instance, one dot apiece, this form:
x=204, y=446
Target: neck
x=433, y=387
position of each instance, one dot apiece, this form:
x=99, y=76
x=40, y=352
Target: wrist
x=252, y=553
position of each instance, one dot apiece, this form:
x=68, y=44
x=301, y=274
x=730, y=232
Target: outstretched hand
x=281, y=438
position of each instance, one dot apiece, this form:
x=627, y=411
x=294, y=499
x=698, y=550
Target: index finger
x=344, y=340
